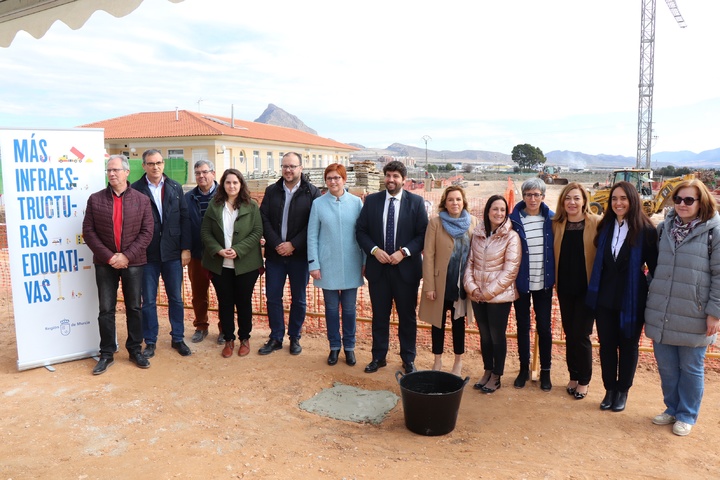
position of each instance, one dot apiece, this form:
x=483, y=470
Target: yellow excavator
x=653, y=202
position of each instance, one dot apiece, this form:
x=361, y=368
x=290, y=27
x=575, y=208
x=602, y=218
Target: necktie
x=390, y=228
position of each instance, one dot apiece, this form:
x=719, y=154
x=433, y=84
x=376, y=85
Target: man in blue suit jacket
x=393, y=270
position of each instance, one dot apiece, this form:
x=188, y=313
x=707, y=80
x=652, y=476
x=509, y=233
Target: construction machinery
x=550, y=175
x=652, y=202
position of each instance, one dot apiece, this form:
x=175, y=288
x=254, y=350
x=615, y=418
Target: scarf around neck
x=456, y=227
x=458, y=258
x=680, y=230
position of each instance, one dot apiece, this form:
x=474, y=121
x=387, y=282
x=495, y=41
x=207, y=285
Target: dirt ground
x=207, y=417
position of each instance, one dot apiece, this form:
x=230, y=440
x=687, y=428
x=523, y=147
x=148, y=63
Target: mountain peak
x=274, y=115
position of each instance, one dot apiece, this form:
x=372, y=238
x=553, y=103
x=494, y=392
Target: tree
x=432, y=168
x=449, y=167
x=668, y=171
x=527, y=156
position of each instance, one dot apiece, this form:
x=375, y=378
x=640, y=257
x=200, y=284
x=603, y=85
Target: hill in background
x=275, y=115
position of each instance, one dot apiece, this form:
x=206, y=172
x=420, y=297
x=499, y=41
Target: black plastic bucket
x=431, y=400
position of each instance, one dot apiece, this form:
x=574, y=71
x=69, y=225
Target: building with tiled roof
x=253, y=148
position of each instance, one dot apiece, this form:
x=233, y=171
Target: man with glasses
x=285, y=211
x=532, y=220
x=118, y=227
x=167, y=254
x=197, y=201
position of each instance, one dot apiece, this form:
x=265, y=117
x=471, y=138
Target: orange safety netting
x=315, y=320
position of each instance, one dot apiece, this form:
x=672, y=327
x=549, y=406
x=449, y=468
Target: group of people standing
x=605, y=270
x=149, y=229
x=617, y=271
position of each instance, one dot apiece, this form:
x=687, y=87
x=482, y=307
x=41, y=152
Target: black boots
x=620, y=401
x=545, y=383
x=607, y=402
x=523, y=376
x=615, y=401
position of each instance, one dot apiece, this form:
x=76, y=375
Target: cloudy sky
x=472, y=74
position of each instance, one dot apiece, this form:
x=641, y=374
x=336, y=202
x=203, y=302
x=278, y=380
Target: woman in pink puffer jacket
x=492, y=266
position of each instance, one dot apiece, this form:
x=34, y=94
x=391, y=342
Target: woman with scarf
x=683, y=306
x=626, y=243
x=447, y=243
x=492, y=267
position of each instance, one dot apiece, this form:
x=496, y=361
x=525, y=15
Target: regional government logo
x=65, y=327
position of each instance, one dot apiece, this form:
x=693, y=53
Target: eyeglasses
x=200, y=173
x=686, y=200
x=333, y=179
x=290, y=167
x=154, y=164
x=533, y=195
x=114, y=170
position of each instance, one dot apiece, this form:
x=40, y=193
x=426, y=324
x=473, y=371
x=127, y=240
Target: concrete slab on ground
x=343, y=402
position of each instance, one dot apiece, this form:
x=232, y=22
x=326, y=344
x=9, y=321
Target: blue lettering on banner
x=37, y=291
x=33, y=236
x=43, y=263
x=32, y=151
x=44, y=179
x=40, y=208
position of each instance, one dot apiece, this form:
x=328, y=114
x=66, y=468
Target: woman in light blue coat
x=335, y=259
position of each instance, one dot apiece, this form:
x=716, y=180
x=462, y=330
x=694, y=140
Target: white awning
x=37, y=16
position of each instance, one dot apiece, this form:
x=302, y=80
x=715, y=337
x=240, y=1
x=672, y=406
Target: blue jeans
x=296, y=269
x=172, y=275
x=107, y=279
x=542, y=304
x=333, y=300
x=682, y=377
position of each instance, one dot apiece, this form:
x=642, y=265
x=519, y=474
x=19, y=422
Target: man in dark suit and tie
x=391, y=231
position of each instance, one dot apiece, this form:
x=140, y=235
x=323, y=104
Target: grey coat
x=686, y=286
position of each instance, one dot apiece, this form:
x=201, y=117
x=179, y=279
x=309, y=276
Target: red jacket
x=137, y=226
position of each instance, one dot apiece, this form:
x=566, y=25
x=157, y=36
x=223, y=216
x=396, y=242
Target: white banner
x=48, y=176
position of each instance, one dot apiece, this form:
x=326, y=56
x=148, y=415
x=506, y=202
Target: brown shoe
x=228, y=350
x=244, y=347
